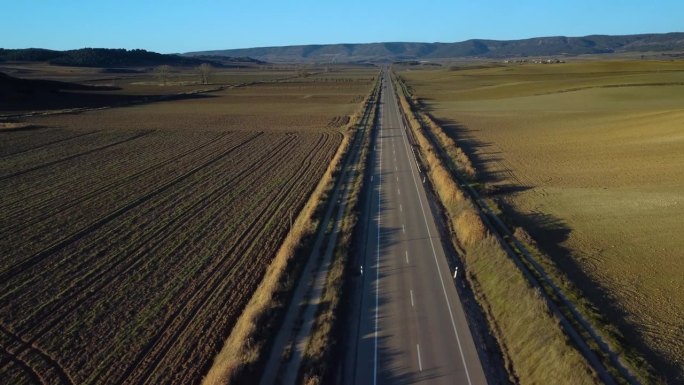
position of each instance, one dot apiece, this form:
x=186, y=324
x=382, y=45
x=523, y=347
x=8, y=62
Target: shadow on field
x=549, y=232
x=61, y=100
x=29, y=95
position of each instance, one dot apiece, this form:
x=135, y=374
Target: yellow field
x=595, y=151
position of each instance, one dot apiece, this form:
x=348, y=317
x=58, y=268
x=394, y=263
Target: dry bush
x=469, y=227
x=446, y=188
x=451, y=148
x=523, y=236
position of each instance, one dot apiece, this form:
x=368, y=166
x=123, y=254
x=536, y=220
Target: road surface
x=411, y=326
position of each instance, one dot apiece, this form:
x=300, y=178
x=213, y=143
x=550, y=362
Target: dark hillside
x=112, y=58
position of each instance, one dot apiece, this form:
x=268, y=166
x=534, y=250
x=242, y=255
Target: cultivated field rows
x=128, y=253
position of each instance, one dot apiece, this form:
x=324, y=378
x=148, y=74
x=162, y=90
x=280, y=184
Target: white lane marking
x=411, y=298
x=403, y=228
x=439, y=270
x=395, y=168
x=407, y=257
x=420, y=363
x=377, y=269
x=397, y=178
x=398, y=192
x=401, y=208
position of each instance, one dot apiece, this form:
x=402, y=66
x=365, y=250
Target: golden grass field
x=589, y=157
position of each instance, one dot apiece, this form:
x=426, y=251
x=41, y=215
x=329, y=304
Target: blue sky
x=181, y=26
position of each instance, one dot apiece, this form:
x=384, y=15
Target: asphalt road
x=411, y=326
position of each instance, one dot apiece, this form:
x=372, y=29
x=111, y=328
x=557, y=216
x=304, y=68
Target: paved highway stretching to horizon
x=411, y=326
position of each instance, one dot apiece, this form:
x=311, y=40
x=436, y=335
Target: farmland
x=587, y=157
x=133, y=237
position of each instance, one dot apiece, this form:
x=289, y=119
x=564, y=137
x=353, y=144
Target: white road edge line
x=377, y=263
x=434, y=255
x=420, y=363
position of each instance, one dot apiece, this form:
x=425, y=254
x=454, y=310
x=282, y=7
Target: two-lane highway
x=412, y=328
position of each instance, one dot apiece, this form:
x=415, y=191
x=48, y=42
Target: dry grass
x=599, y=148
x=535, y=348
x=469, y=228
x=316, y=363
x=245, y=345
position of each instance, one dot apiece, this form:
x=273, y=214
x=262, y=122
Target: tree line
x=100, y=57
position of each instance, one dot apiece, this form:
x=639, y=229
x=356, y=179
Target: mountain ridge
x=117, y=57
x=484, y=48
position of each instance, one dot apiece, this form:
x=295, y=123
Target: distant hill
x=104, y=57
x=12, y=85
x=389, y=52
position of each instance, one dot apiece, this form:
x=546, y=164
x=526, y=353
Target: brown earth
x=133, y=237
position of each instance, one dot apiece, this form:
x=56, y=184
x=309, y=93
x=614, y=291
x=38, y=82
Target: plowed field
x=132, y=238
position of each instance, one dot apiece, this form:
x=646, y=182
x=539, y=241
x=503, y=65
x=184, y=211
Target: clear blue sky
x=181, y=26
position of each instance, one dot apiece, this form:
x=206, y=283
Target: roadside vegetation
x=535, y=348
x=245, y=351
x=323, y=349
x=585, y=156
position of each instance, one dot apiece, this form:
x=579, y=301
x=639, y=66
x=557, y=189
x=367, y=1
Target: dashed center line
x=411, y=291
x=403, y=228
x=401, y=208
x=407, y=257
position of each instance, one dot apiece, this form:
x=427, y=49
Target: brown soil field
x=143, y=84
x=588, y=157
x=133, y=237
